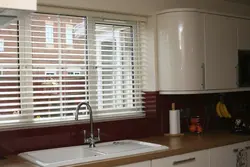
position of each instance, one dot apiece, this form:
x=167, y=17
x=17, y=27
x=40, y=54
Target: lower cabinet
x=227, y=156
x=248, y=153
x=140, y=164
x=195, y=159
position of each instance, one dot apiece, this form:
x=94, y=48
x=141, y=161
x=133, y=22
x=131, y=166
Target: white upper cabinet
x=18, y=4
x=243, y=34
x=181, y=51
x=198, y=51
x=221, y=55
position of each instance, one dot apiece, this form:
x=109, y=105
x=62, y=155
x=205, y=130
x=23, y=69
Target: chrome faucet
x=91, y=140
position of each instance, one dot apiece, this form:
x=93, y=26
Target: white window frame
x=25, y=55
x=94, y=71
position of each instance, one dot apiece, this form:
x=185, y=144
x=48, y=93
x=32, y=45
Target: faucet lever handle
x=99, y=134
x=85, y=135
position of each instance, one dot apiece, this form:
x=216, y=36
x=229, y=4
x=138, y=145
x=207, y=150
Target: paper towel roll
x=174, y=122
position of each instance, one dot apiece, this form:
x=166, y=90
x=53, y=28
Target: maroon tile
x=13, y=142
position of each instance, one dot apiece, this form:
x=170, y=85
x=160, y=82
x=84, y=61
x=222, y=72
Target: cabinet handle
x=203, y=75
x=183, y=161
x=237, y=75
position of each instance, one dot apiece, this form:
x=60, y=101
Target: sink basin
x=60, y=156
x=84, y=154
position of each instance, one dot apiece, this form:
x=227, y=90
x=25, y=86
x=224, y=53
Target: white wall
x=136, y=7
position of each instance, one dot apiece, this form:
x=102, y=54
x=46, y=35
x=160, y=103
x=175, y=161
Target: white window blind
x=103, y=66
x=10, y=97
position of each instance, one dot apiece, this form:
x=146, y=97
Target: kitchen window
x=44, y=84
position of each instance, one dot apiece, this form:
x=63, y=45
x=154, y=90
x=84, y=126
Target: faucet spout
x=92, y=140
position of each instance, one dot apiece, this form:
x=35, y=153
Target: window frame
x=25, y=55
x=90, y=39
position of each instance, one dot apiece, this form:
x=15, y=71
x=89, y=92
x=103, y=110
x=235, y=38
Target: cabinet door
x=196, y=159
x=248, y=153
x=243, y=34
x=181, y=51
x=221, y=54
x=140, y=164
x=225, y=156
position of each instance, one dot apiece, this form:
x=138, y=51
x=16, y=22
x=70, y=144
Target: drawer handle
x=184, y=161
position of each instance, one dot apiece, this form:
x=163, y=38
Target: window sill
x=47, y=124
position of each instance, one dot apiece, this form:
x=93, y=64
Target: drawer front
x=195, y=159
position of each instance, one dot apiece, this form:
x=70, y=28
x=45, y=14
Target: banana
x=218, y=109
x=222, y=111
x=224, y=108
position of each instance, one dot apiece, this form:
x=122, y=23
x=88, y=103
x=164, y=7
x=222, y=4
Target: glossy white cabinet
x=243, y=34
x=195, y=159
x=140, y=164
x=225, y=156
x=221, y=55
x=180, y=51
x=189, y=39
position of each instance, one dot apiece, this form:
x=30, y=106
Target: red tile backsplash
x=150, y=105
x=155, y=123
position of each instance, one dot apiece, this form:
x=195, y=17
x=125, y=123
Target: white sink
x=84, y=154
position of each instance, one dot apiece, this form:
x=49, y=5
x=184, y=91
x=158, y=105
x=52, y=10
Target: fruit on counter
x=222, y=111
x=218, y=109
x=192, y=128
x=199, y=129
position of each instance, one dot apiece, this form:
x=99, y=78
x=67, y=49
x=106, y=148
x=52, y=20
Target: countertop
x=178, y=145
